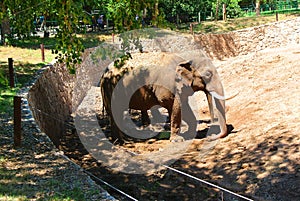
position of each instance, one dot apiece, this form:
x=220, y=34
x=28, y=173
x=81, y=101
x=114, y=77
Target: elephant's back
x=156, y=70
x=160, y=60
x=153, y=67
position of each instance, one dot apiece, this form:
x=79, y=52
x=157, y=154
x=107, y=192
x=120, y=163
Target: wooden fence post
x=191, y=28
x=43, y=52
x=17, y=121
x=224, y=12
x=11, y=72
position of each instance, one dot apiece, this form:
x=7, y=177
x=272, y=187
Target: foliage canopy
x=19, y=18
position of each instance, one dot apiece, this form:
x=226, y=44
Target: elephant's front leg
x=176, y=121
x=189, y=117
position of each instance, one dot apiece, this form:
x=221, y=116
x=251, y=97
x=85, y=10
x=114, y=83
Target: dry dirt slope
x=262, y=156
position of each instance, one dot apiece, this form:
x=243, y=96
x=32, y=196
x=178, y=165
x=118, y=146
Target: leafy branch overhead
x=69, y=47
x=18, y=19
x=21, y=14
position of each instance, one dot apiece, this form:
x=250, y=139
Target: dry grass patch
x=239, y=23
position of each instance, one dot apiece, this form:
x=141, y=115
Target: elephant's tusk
x=217, y=96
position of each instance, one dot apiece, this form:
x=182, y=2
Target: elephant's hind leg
x=145, y=118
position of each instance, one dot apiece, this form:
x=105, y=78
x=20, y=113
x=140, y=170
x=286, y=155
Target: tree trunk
x=4, y=26
x=224, y=12
x=257, y=8
x=5, y=30
x=217, y=10
x=156, y=13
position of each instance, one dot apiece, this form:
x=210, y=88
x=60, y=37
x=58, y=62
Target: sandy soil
x=260, y=158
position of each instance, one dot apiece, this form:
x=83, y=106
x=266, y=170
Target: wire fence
x=26, y=110
x=67, y=124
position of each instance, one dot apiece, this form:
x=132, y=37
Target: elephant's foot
x=216, y=136
x=222, y=132
x=176, y=138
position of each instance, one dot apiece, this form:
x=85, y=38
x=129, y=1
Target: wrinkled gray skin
x=168, y=83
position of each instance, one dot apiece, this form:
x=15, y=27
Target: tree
x=19, y=15
x=12, y=14
x=128, y=14
x=187, y=10
x=217, y=10
x=183, y=10
x=257, y=7
x=232, y=8
x=5, y=27
x=18, y=18
x=69, y=47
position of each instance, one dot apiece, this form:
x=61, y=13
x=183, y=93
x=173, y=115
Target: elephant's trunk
x=219, y=102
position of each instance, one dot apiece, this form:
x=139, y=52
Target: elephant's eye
x=207, y=75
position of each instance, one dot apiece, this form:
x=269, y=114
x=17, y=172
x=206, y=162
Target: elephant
x=164, y=79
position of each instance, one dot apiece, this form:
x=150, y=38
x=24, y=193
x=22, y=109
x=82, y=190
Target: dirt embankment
x=261, y=157
x=258, y=159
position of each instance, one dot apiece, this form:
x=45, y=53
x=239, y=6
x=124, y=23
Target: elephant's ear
x=186, y=64
x=184, y=71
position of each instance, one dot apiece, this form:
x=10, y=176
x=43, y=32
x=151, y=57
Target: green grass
x=10, y=188
x=88, y=40
x=27, y=58
x=20, y=184
x=6, y=101
x=23, y=73
x=240, y=23
x=292, y=11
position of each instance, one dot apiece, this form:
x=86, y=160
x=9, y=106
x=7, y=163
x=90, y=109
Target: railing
x=280, y=6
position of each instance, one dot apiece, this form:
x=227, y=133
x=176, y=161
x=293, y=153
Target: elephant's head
x=200, y=74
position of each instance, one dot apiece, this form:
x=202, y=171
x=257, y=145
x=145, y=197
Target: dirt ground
x=261, y=156
x=259, y=159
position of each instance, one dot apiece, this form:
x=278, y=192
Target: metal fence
x=279, y=6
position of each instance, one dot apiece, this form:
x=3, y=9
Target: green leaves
x=183, y=10
x=232, y=7
x=130, y=42
x=69, y=47
x=128, y=14
x=122, y=60
x=188, y=10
